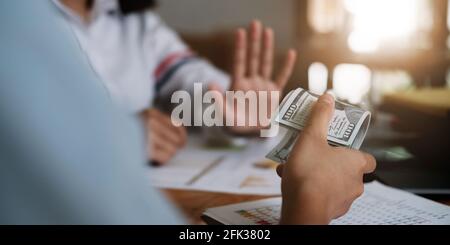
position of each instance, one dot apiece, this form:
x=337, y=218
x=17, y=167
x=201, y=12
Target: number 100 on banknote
x=347, y=128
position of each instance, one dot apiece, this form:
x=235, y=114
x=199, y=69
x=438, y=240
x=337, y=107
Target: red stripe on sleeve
x=169, y=61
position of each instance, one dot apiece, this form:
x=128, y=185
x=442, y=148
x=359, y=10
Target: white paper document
x=244, y=171
x=379, y=205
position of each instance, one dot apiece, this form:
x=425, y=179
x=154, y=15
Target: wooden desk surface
x=193, y=203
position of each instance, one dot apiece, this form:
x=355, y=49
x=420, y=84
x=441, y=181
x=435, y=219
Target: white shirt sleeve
x=177, y=67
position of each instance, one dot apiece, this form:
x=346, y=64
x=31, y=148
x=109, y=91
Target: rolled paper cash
x=348, y=126
x=280, y=153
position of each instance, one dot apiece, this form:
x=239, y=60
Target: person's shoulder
x=147, y=22
x=152, y=20
x=151, y=25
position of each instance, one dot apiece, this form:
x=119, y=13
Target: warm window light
x=317, y=78
x=361, y=42
x=373, y=24
x=351, y=82
x=378, y=21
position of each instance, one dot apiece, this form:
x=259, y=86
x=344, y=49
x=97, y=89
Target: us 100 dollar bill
x=280, y=153
x=347, y=128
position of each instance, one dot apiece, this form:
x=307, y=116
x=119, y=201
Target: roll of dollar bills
x=348, y=126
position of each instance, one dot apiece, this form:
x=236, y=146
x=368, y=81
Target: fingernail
x=327, y=98
x=330, y=92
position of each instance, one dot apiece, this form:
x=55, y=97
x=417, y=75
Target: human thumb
x=320, y=116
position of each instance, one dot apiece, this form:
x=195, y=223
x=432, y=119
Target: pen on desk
x=205, y=170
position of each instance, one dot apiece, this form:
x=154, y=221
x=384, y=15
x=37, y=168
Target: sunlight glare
x=379, y=21
x=351, y=82
x=317, y=78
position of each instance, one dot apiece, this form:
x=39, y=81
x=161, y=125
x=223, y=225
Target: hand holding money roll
x=320, y=182
x=347, y=127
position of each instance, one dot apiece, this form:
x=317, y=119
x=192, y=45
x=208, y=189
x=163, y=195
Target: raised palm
x=252, y=71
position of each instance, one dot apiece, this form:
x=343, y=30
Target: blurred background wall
x=206, y=17
x=208, y=26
